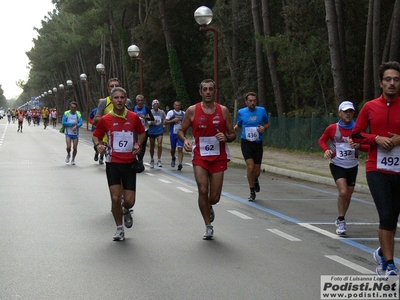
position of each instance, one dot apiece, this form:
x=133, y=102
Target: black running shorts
x=252, y=150
x=117, y=173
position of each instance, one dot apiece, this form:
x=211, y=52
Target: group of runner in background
x=34, y=115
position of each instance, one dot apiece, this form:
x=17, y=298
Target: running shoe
x=101, y=161
x=256, y=186
x=212, y=214
x=159, y=164
x=252, y=196
x=341, y=227
x=173, y=162
x=73, y=162
x=67, y=158
x=119, y=235
x=180, y=167
x=152, y=163
x=209, y=234
x=128, y=221
x=96, y=156
x=380, y=261
x=391, y=270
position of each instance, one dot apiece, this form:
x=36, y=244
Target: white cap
x=155, y=101
x=345, y=105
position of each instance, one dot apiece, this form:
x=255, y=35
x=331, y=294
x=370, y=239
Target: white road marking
x=165, y=181
x=284, y=235
x=321, y=231
x=149, y=174
x=240, y=215
x=184, y=190
x=348, y=223
x=349, y=264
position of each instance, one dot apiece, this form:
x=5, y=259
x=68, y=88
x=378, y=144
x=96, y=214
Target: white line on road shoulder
x=284, y=235
x=240, y=215
x=165, y=181
x=349, y=264
x=319, y=230
x=348, y=223
x=184, y=190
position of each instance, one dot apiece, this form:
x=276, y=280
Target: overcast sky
x=18, y=18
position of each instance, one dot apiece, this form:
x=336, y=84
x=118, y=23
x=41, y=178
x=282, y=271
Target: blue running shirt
x=249, y=120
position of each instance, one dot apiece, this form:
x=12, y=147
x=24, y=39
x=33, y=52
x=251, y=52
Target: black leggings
x=385, y=190
x=143, y=152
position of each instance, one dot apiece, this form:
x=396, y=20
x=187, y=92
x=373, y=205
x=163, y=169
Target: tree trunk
x=259, y=53
x=334, y=50
x=342, y=36
x=280, y=103
x=395, y=34
x=368, y=90
x=386, y=48
x=376, y=53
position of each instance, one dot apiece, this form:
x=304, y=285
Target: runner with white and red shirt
x=343, y=154
x=121, y=127
x=53, y=117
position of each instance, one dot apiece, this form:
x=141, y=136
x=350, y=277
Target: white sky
x=16, y=32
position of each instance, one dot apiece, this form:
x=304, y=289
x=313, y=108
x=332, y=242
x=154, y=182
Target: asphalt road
x=57, y=229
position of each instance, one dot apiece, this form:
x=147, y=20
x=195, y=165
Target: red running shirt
x=204, y=128
x=121, y=136
x=381, y=117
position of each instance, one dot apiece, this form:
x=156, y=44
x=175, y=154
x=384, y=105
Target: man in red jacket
x=382, y=117
x=343, y=153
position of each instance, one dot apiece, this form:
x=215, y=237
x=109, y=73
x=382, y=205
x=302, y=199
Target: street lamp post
x=62, y=88
x=44, y=98
x=50, y=93
x=83, y=78
x=70, y=84
x=133, y=52
x=203, y=16
x=55, y=97
x=101, y=70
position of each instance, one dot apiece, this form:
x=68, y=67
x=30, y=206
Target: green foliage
x=71, y=42
x=177, y=78
x=3, y=102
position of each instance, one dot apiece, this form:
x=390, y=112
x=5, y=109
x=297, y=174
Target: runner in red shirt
x=212, y=128
x=342, y=152
x=20, y=117
x=122, y=127
x=378, y=125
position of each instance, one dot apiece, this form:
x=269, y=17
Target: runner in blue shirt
x=253, y=122
x=145, y=116
x=91, y=117
x=156, y=131
x=174, y=120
